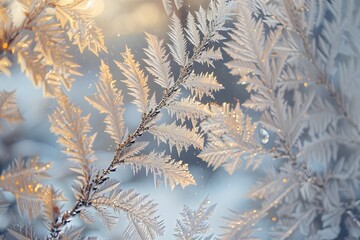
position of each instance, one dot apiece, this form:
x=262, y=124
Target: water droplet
x=264, y=136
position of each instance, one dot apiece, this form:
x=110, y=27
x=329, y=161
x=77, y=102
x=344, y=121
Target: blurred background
x=123, y=23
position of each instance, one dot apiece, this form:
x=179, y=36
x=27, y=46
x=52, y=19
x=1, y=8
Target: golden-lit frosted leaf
x=45, y=59
x=173, y=172
x=177, y=136
x=135, y=80
x=209, y=56
x=212, y=20
x=158, y=63
x=63, y=16
x=188, y=109
x=9, y=110
x=73, y=130
x=192, y=32
x=133, y=150
x=203, y=85
x=48, y=39
x=178, y=46
x=22, y=179
x=50, y=42
x=5, y=64
x=22, y=169
x=106, y=187
x=41, y=40
x=31, y=63
x=142, y=213
x=83, y=30
x=109, y=100
x=89, y=36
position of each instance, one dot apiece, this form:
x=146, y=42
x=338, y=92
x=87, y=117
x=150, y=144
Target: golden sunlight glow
x=95, y=7
x=146, y=15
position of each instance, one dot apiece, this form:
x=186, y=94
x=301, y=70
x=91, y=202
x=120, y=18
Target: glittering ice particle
x=264, y=136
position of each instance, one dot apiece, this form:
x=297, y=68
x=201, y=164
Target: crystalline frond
x=231, y=139
x=193, y=224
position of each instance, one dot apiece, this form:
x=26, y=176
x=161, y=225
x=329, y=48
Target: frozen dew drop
x=264, y=136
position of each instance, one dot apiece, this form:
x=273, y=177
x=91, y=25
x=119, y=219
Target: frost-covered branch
x=209, y=23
